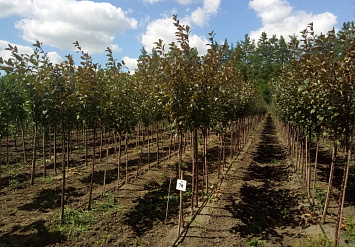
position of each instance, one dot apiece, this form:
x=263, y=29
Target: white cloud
x=158, y=29
x=7, y=54
x=200, y=43
x=14, y=7
x=278, y=17
x=151, y=1
x=59, y=23
x=164, y=29
x=131, y=63
x=202, y=15
x=271, y=11
x=54, y=57
x=187, y=2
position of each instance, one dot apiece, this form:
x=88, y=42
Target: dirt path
x=260, y=202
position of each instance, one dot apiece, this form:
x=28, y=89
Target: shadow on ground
x=33, y=235
x=262, y=205
x=50, y=199
x=150, y=209
x=269, y=149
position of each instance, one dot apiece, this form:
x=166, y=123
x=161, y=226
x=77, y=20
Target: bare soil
x=261, y=199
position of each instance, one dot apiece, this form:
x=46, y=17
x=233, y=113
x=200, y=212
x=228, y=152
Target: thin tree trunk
x=224, y=150
x=232, y=141
x=23, y=143
x=49, y=141
x=196, y=164
x=15, y=139
x=344, y=184
x=157, y=143
x=330, y=183
x=115, y=141
x=92, y=171
x=119, y=162
x=126, y=158
x=105, y=172
x=34, y=155
x=63, y=175
x=86, y=145
x=44, y=152
x=101, y=143
x=205, y=149
x=171, y=142
x=180, y=153
x=55, y=151
x=315, y=164
x=149, y=135
x=140, y=151
x=306, y=167
x=219, y=155
x=193, y=176
x=68, y=149
x=7, y=142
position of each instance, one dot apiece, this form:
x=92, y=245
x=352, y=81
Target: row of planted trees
x=190, y=93
x=315, y=96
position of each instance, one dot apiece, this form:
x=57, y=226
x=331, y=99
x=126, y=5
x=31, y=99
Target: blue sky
x=128, y=25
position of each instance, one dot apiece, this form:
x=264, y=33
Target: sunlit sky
x=128, y=25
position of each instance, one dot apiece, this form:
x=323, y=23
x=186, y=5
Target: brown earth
x=261, y=200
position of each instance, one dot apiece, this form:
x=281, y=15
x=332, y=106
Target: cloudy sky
x=128, y=25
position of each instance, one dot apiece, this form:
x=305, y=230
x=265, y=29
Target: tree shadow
x=269, y=150
x=18, y=181
x=39, y=235
x=150, y=209
x=262, y=206
x=262, y=209
x=50, y=199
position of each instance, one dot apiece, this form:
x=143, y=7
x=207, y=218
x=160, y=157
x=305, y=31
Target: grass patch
x=108, y=203
x=74, y=223
x=16, y=181
x=321, y=196
x=43, y=180
x=319, y=241
x=349, y=234
x=255, y=242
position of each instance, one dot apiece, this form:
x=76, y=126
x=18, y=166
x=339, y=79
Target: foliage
x=74, y=222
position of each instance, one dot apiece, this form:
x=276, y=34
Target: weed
x=349, y=234
x=200, y=227
x=321, y=196
x=137, y=242
x=74, y=222
x=108, y=204
x=15, y=181
x=319, y=241
x=102, y=240
x=254, y=242
x=284, y=212
x=273, y=161
x=257, y=223
x=43, y=180
x=151, y=185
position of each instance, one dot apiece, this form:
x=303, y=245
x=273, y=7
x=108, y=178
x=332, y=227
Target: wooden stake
x=181, y=217
x=167, y=203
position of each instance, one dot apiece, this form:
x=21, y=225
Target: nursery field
x=243, y=146
x=258, y=200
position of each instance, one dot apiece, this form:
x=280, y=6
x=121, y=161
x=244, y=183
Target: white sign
x=181, y=185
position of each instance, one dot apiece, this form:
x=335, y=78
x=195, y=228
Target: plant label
x=181, y=185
